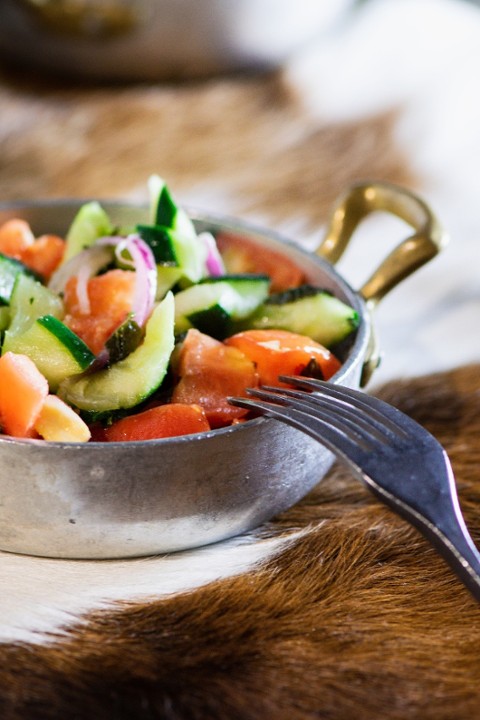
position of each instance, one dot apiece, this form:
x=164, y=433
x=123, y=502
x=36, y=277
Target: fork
x=394, y=456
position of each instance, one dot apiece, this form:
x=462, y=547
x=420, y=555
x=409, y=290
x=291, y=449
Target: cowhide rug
x=337, y=608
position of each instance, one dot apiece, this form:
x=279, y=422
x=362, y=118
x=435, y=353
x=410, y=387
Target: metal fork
x=396, y=458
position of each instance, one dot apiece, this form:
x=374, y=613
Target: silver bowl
x=160, y=39
x=110, y=500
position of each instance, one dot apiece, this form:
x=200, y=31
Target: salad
x=120, y=334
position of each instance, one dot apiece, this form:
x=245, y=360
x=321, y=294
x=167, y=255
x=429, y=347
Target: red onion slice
x=214, y=261
x=87, y=263
x=141, y=260
x=146, y=278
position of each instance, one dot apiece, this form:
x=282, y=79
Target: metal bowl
x=110, y=500
x=160, y=39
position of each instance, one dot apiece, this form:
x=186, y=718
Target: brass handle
x=361, y=200
x=86, y=18
x=428, y=239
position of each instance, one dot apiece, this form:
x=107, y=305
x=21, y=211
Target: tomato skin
x=241, y=255
x=110, y=296
x=280, y=352
x=209, y=373
x=162, y=421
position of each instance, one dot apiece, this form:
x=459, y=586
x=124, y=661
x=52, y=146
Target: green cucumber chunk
x=219, y=300
x=214, y=321
x=90, y=223
x=179, y=235
x=124, y=340
x=163, y=209
x=29, y=301
x=307, y=311
x=4, y=317
x=10, y=269
x=167, y=277
x=56, y=351
x=161, y=242
x=133, y=379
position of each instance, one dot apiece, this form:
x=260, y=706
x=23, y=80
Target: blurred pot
x=160, y=39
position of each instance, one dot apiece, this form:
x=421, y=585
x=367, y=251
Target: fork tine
x=323, y=425
x=378, y=411
x=364, y=425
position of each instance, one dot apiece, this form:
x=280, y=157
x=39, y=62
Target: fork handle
x=445, y=528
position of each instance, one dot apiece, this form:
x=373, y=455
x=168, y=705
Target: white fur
x=42, y=596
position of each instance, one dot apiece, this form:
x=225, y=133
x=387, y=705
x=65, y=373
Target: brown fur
x=358, y=618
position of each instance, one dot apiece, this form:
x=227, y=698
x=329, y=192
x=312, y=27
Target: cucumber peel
x=308, y=311
x=128, y=382
x=171, y=234
x=10, y=269
x=221, y=299
x=29, y=301
x=55, y=349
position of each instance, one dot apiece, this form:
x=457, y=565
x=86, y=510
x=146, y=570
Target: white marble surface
x=422, y=56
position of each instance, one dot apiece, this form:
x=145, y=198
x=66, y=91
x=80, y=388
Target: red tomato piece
x=209, y=372
x=241, y=255
x=110, y=299
x=44, y=255
x=23, y=390
x=280, y=352
x=15, y=236
x=159, y=422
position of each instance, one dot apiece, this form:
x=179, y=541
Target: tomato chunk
x=44, y=255
x=209, y=372
x=23, y=390
x=280, y=352
x=241, y=255
x=15, y=237
x=110, y=299
x=159, y=422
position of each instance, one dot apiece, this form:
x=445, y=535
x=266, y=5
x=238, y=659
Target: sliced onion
x=146, y=278
x=87, y=263
x=214, y=261
x=83, y=276
x=142, y=261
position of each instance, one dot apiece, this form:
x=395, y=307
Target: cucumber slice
x=179, y=234
x=133, y=379
x=167, y=277
x=220, y=300
x=165, y=211
x=4, y=317
x=56, y=351
x=161, y=242
x=90, y=223
x=124, y=340
x=29, y=301
x=10, y=269
x=307, y=310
